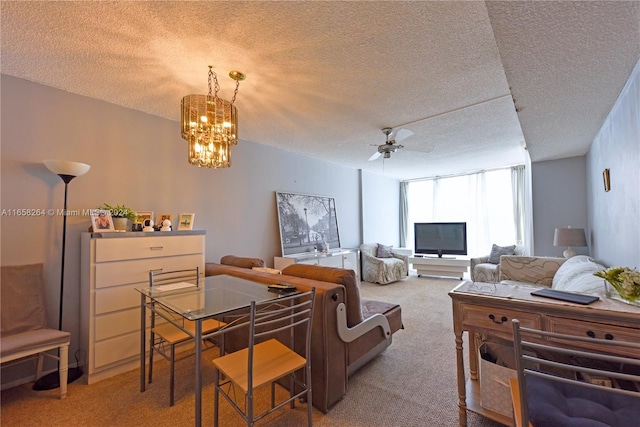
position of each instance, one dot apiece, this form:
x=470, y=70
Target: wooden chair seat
x=271, y=360
x=174, y=335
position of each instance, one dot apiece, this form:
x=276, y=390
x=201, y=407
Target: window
x=483, y=200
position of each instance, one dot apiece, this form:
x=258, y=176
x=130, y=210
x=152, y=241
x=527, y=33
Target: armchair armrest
x=404, y=258
x=371, y=259
x=348, y=334
x=478, y=260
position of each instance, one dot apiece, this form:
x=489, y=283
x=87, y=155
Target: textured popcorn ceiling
x=324, y=77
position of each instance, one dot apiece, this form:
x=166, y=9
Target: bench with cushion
x=24, y=331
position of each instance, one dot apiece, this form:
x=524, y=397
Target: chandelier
x=210, y=124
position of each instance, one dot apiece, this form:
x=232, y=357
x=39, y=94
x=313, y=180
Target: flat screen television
x=441, y=238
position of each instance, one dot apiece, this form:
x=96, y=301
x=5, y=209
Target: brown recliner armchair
x=348, y=331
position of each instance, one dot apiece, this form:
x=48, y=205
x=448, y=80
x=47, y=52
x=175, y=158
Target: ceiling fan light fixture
x=210, y=125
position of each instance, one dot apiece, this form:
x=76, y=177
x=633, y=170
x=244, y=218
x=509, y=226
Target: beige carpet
x=412, y=383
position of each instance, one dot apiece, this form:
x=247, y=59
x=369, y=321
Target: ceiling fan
x=391, y=146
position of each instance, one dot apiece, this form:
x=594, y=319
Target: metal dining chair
x=562, y=380
x=172, y=331
x=279, y=347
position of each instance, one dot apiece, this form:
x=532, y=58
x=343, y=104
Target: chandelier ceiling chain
x=210, y=124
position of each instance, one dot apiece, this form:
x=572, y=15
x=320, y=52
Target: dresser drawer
x=119, y=323
x=117, y=298
x=137, y=271
x=596, y=330
x=497, y=320
x=116, y=350
x=147, y=247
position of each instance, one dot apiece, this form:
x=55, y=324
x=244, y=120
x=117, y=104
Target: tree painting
x=307, y=223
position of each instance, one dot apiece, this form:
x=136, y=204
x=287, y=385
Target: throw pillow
x=498, y=251
x=576, y=275
x=384, y=251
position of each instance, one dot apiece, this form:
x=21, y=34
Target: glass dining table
x=215, y=297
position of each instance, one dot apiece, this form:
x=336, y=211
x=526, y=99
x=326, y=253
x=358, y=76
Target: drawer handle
x=156, y=248
x=591, y=334
x=157, y=270
x=608, y=337
x=499, y=322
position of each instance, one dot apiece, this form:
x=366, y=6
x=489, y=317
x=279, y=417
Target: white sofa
x=574, y=274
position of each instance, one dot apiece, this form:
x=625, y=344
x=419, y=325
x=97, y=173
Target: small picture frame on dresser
x=142, y=215
x=185, y=221
x=101, y=220
x=162, y=216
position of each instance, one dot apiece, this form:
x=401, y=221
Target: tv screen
x=441, y=238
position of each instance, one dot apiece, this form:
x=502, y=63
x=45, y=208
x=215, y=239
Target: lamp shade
x=569, y=237
x=66, y=167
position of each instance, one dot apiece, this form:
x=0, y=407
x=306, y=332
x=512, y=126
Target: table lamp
x=570, y=237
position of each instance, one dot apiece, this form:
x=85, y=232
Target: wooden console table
x=445, y=266
x=488, y=308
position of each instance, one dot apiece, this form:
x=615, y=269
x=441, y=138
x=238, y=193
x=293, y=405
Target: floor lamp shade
x=66, y=170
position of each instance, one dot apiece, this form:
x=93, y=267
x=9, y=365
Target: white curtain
x=404, y=213
x=484, y=200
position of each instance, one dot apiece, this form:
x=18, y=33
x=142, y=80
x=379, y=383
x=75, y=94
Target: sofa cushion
x=576, y=275
x=498, y=251
x=384, y=251
x=340, y=276
x=243, y=262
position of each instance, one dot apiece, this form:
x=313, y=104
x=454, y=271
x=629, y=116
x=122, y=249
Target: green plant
x=120, y=211
x=625, y=280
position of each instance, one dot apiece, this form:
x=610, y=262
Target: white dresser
x=112, y=265
x=342, y=258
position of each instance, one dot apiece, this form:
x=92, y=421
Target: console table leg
x=462, y=390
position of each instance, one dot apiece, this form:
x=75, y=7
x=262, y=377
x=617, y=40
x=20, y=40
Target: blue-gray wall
x=614, y=216
x=559, y=200
x=140, y=160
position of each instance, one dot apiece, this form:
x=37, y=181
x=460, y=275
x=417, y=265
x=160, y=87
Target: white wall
x=140, y=160
x=381, y=209
x=614, y=216
x=559, y=200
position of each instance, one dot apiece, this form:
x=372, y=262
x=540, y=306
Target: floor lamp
x=66, y=170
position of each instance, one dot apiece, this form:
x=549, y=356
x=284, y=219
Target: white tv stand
x=432, y=265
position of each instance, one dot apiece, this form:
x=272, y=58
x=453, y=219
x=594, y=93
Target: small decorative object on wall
x=307, y=223
x=162, y=216
x=185, y=221
x=606, y=178
x=101, y=220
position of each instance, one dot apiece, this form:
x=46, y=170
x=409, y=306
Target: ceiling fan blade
x=375, y=156
x=402, y=134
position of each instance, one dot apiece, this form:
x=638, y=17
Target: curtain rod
x=461, y=174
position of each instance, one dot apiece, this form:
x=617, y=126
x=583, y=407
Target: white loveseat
x=574, y=274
